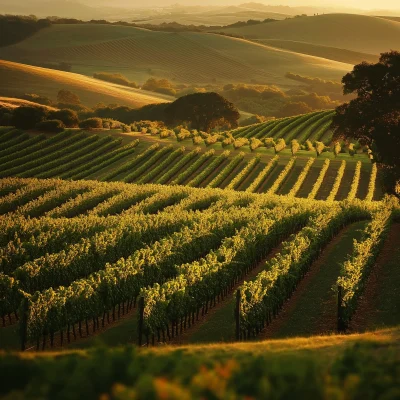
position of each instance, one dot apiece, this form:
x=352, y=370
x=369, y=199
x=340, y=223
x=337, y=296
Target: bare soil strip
x=380, y=303
x=312, y=308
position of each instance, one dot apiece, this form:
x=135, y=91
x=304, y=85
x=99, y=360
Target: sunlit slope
x=331, y=53
x=17, y=79
x=225, y=16
x=360, y=33
x=182, y=57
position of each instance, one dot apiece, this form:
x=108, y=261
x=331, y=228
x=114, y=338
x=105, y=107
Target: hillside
x=330, y=53
x=371, y=35
x=181, y=57
x=18, y=79
x=147, y=158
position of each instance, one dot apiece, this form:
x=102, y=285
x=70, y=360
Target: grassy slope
x=17, y=79
x=331, y=53
x=368, y=34
x=183, y=57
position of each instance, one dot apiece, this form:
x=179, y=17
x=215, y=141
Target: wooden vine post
x=24, y=322
x=237, y=314
x=140, y=327
x=341, y=327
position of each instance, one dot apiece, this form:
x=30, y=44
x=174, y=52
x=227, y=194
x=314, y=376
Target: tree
x=204, y=111
x=51, y=125
x=91, y=123
x=27, y=117
x=67, y=116
x=67, y=97
x=373, y=117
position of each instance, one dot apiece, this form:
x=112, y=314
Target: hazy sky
x=360, y=4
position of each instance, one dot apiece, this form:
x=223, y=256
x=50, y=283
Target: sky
x=360, y=4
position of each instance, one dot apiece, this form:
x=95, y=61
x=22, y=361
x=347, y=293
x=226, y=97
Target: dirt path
x=312, y=307
x=380, y=303
x=218, y=323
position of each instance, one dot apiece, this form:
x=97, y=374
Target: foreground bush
x=363, y=371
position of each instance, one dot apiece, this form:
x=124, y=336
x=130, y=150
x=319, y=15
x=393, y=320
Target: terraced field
x=141, y=158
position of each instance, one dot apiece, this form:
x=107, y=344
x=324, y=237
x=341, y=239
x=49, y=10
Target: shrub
x=295, y=147
x=198, y=140
x=91, y=123
x=280, y=145
x=28, y=117
x=67, y=116
x=309, y=145
x=337, y=148
x=115, y=78
x=36, y=98
x=319, y=148
x=269, y=142
x=126, y=128
x=240, y=142
x=67, y=97
x=352, y=150
x=255, y=143
x=51, y=125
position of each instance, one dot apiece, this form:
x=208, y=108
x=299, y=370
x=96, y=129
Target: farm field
x=144, y=158
x=371, y=35
x=164, y=244
x=187, y=57
x=17, y=78
x=78, y=258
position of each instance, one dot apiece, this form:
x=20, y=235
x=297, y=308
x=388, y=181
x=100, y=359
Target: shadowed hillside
x=181, y=57
x=346, y=31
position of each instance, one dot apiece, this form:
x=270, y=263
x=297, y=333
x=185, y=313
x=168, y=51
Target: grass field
x=182, y=57
x=371, y=35
x=18, y=79
x=331, y=53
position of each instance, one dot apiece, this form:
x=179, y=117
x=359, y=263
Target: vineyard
x=277, y=157
x=78, y=255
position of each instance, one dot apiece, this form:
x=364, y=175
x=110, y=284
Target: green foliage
x=91, y=123
x=51, y=125
x=28, y=117
x=115, y=78
x=204, y=111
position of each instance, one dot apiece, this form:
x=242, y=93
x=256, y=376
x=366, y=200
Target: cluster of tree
x=317, y=85
x=203, y=111
x=162, y=86
x=373, y=116
x=115, y=78
x=35, y=117
x=272, y=101
x=14, y=28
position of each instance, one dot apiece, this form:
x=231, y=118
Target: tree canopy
x=373, y=117
x=204, y=111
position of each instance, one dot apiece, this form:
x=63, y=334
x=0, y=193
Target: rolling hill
x=17, y=79
x=371, y=35
x=147, y=158
x=181, y=57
